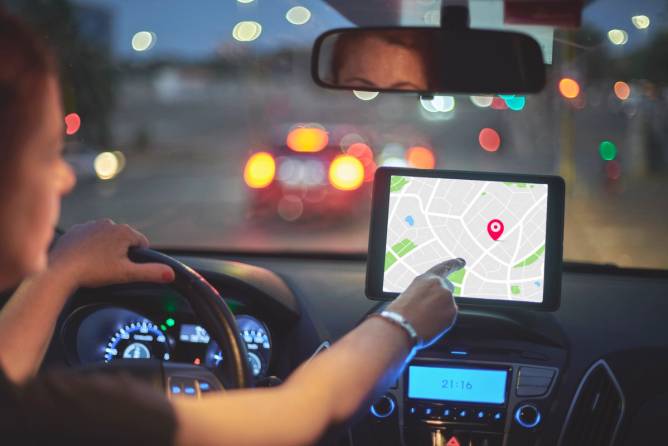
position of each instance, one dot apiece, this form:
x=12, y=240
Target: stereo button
x=462, y=414
x=498, y=416
x=480, y=415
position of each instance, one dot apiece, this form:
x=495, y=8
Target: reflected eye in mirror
x=428, y=60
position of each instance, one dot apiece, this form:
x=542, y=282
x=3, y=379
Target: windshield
x=199, y=123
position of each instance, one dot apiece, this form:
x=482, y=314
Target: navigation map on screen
x=498, y=227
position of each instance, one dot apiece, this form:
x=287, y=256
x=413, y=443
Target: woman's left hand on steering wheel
x=95, y=254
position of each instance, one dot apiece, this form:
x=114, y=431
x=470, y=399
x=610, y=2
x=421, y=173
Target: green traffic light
x=170, y=322
x=607, y=150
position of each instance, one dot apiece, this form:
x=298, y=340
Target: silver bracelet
x=400, y=321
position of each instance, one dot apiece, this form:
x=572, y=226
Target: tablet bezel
x=553, y=237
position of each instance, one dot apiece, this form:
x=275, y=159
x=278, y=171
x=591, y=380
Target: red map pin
x=495, y=228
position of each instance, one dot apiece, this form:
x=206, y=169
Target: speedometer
x=258, y=343
x=137, y=340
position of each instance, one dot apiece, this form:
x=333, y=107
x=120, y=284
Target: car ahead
x=306, y=177
x=185, y=101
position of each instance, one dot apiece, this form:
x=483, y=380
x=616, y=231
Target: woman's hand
x=428, y=303
x=95, y=254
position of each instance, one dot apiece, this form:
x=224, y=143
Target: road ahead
x=185, y=189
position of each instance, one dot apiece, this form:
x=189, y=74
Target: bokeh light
x=622, y=90
x=365, y=95
x=298, y=15
x=346, y=172
x=420, y=157
x=613, y=170
x=393, y=155
x=364, y=153
x=307, y=139
x=106, y=165
x=260, y=170
x=499, y=104
x=72, y=123
x=607, y=150
x=143, y=41
x=394, y=161
x=489, y=139
x=515, y=103
x=442, y=104
x=348, y=139
x=569, y=88
x=361, y=151
x=640, y=21
x=618, y=36
x=120, y=157
x=482, y=101
x=246, y=31
x=290, y=208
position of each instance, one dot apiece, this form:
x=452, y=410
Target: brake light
x=260, y=170
x=346, y=172
x=420, y=157
x=363, y=153
x=307, y=139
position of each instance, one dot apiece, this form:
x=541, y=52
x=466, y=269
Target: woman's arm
x=330, y=388
x=27, y=322
x=91, y=254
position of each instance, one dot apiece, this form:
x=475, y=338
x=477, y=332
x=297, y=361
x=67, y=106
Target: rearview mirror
x=428, y=61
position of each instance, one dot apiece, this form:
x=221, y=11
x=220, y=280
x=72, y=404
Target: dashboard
x=106, y=333
x=592, y=372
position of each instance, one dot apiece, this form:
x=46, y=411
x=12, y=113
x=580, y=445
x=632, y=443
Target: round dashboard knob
x=383, y=408
x=528, y=416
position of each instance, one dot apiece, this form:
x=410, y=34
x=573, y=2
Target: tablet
x=508, y=228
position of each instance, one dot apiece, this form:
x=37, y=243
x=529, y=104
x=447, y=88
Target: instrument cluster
x=109, y=333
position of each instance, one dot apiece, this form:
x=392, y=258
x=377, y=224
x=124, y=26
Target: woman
x=64, y=407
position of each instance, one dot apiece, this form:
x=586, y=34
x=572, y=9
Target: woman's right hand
x=428, y=304
x=95, y=254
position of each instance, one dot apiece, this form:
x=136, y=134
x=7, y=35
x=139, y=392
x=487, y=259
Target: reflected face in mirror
x=389, y=61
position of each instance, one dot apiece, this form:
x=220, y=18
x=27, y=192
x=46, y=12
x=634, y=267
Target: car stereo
x=508, y=228
x=458, y=384
x=471, y=403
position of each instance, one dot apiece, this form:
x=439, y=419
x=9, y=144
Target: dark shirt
x=75, y=409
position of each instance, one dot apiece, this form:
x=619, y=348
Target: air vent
x=596, y=411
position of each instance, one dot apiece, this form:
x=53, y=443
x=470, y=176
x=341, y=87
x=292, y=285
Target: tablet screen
x=498, y=227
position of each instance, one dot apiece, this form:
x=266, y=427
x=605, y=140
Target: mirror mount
x=455, y=17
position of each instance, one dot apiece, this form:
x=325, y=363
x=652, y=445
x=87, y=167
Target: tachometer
x=258, y=343
x=137, y=340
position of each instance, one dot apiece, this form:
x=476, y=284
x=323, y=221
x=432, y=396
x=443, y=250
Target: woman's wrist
x=395, y=318
x=62, y=275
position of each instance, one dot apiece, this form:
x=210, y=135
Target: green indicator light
x=162, y=327
x=607, y=150
x=170, y=322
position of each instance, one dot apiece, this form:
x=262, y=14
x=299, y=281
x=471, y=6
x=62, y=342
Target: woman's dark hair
x=25, y=66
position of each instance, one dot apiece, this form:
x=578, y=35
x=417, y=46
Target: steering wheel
x=219, y=322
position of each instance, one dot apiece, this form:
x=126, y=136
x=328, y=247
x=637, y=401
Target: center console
x=450, y=402
x=492, y=382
